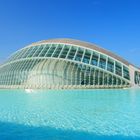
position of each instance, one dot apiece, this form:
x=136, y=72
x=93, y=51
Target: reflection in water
x=88, y=113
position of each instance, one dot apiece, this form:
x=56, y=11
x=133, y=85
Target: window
x=118, y=69
x=79, y=54
x=72, y=52
x=44, y=51
x=102, y=62
x=51, y=50
x=110, y=65
x=126, y=73
x=37, y=52
x=57, y=50
x=64, y=52
x=87, y=56
x=94, y=59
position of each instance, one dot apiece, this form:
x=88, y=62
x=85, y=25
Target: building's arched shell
x=65, y=63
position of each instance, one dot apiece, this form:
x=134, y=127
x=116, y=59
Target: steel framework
x=60, y=64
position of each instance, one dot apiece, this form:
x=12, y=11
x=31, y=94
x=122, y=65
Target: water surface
x=70, y=114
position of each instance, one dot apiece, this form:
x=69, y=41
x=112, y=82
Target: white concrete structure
x=67, y=63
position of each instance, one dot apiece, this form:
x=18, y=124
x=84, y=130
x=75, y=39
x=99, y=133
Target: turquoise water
x=70, y=114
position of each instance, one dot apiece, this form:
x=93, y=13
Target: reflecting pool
x=70, y=114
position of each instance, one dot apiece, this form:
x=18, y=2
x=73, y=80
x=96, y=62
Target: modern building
x=67, y=63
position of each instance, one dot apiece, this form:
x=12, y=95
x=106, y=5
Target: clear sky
x=112, y=24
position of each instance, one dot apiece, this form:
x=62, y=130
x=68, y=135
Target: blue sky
x=112, y=24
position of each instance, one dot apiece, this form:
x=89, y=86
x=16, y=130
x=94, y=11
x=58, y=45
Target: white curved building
x=67, y=63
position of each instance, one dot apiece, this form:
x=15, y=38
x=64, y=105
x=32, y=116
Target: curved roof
x=84, y=44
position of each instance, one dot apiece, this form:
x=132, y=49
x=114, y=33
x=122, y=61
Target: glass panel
x=126, y=73
x=72, y=52
x=44, y=51
x=137, y=77
x=101, y=78
x=96, y=77
x=105, y=79
x=64, y=52
x=110, y=65
x=57, y=50
x=79, y=54
x=21, y=54
x=94, y=60
x=119, y=81
x=37, y=52
x=114, y=80
x=15, y=56
x=102, y=62
x=51, y=50
x=110, y=79
x=32, y=51
x=118, y=69
x=27, y=52
x=87, y=56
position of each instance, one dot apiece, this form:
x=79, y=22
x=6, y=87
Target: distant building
x=67, y=63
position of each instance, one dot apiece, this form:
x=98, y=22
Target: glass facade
x=137, y=78
x=65, y=65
